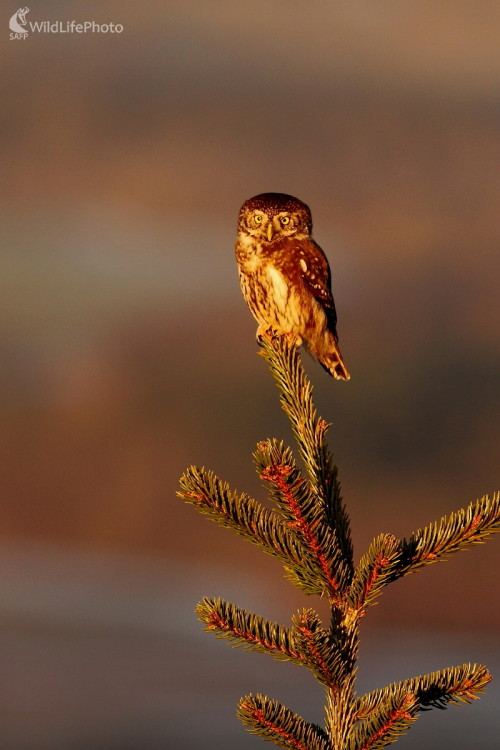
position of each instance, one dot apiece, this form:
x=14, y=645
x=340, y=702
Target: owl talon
x=265, y=333
x=270, y=334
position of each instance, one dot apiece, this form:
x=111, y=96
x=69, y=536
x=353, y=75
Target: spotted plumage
x=285, y=276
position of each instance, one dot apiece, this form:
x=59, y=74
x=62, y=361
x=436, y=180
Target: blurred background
x=128, y=352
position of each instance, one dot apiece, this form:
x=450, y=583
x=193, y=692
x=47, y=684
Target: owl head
x=272, y=216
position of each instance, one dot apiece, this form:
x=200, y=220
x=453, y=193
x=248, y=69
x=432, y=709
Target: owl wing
x=315, y=272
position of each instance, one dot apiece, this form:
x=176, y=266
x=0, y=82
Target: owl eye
x=258, y=219
x=285, y=220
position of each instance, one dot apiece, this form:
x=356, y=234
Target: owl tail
x=327, y=352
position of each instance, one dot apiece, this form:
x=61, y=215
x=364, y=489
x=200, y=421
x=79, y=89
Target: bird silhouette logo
x=18, y=21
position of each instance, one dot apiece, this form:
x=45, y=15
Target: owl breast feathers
x=285, y=276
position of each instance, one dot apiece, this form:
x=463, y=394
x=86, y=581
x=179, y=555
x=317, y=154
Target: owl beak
x=269, y=231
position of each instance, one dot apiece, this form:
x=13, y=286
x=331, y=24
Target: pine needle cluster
x=309, y=532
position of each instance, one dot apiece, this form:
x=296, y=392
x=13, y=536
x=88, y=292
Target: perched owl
x=285, y=276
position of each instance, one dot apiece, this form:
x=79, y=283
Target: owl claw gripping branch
x=285, y=276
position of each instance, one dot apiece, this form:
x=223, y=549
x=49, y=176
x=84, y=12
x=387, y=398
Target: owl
x=285, y=277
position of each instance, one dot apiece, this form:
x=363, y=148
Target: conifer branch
x=375, y=569
x=329, y=660
x=272, y=721
x=389, y=558
x=254, y=633
x=309, y=533
x=306, y=644
x=310, y=433
x=387, y=723
x=298, y=503
x=340, y=716
x=461, y=529
x=433, y=690
x=250, y=519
